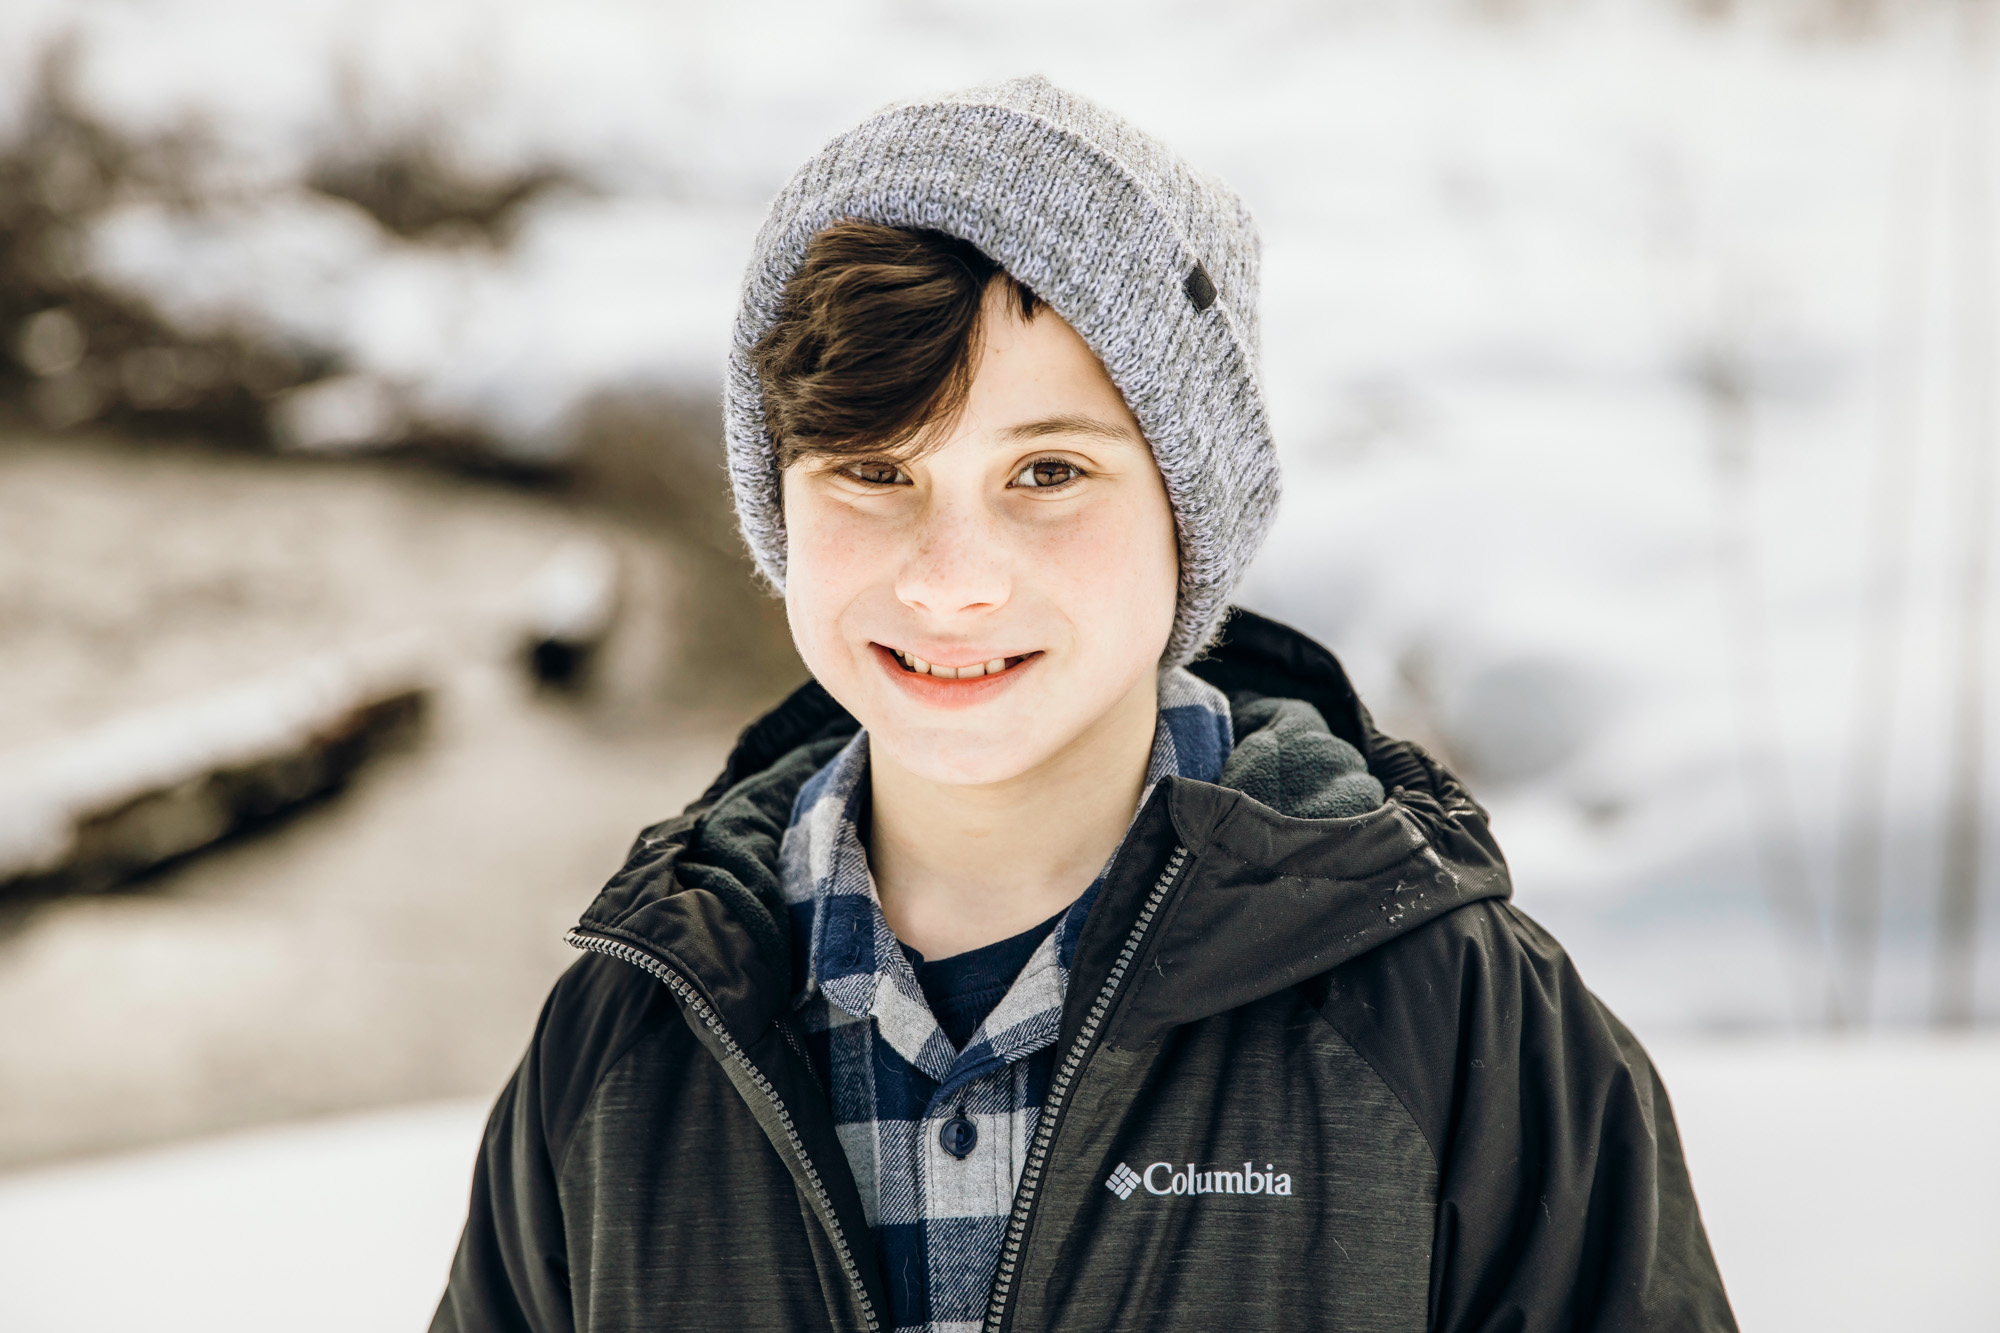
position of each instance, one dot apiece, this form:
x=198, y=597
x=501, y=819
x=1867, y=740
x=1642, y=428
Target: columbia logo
x=1165, y=1178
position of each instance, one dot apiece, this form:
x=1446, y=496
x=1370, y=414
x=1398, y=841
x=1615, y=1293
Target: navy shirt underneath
x=964, y=988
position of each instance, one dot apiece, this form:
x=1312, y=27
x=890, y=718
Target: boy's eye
x=1044, y=473
x=875, y=474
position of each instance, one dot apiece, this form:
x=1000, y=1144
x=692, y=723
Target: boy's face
x=1034, y=547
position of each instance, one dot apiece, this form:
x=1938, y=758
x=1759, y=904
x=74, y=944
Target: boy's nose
x=955, y=565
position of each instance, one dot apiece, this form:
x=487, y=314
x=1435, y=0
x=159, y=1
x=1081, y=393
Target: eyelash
x=854, y=471
x=1076, y=474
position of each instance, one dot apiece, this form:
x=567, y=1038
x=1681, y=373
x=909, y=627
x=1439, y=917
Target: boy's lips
x=958, y=664
x=966, y=683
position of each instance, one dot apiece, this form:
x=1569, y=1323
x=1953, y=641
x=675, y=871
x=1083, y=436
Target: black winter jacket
x=1473, y=1142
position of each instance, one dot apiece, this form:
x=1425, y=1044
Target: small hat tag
x=1199, y=287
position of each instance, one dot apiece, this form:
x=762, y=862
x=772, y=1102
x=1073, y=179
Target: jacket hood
x=1323, y=840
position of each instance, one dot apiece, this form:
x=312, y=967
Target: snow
x=1844, y=1186
x=1507, y=266
x=1502, y=262
x=52, y=792
x=342, y=1224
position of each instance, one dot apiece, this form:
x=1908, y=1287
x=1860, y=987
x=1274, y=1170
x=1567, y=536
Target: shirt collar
x=843, y=946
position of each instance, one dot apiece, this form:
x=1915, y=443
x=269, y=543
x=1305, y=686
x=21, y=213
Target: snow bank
x=138, y=790
x=1844, y=1187
x=342, y=1225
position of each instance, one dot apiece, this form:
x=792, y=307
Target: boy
x=911, y=1022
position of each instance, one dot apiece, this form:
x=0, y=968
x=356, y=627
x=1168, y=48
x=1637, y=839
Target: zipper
x=692, y=1000
x=1059, y=1086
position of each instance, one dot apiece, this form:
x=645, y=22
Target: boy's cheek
x=829, y=570
x=1125, y=564
x=806, y=593
x=824, y=552
x=812, y=608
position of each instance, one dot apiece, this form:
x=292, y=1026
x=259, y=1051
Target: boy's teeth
x=973, y=672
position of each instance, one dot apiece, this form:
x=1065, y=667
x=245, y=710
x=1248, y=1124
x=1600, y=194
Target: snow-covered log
x=89, y=810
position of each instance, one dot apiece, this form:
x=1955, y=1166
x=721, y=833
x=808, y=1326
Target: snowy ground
x=1844, y=1186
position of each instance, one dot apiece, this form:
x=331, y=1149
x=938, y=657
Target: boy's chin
x=971, y=756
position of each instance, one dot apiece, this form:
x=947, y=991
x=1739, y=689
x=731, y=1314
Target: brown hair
x=874, y=342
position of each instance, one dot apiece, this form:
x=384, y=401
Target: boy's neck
x=958, y=867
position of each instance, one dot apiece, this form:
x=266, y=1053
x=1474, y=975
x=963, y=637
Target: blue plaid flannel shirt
x=891, y=1074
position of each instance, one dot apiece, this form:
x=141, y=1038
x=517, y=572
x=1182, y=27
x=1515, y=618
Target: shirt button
x=958, y=1136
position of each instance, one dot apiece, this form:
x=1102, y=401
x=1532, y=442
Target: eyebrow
x=1071, y=424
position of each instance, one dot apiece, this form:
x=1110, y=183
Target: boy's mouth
x=917, y=666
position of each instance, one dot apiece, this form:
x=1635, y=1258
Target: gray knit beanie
x=1151, y=262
